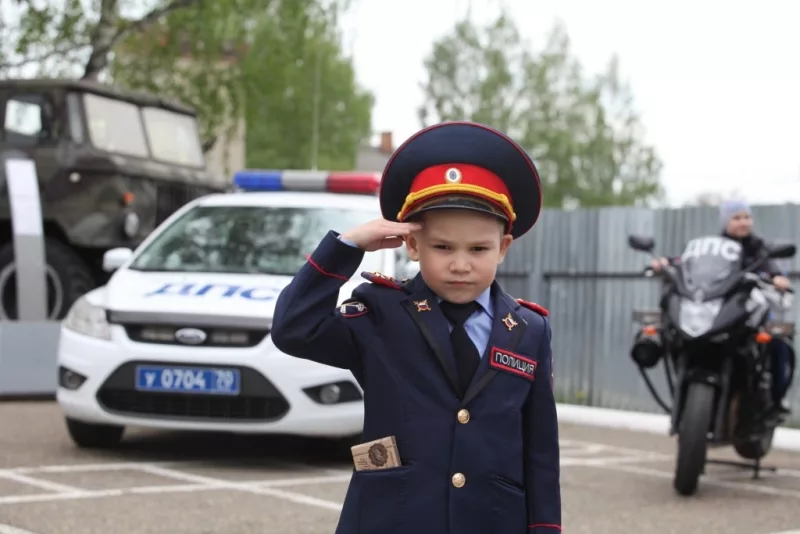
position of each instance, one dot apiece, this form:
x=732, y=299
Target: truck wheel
x=692, y=437
x=68, y=278
x=90, y=436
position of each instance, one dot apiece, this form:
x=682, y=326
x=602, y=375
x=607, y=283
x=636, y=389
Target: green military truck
x=112, y=165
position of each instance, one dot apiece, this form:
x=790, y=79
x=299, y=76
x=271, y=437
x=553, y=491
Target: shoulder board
x=383, y=280
x=541, y=310
x=352, y=308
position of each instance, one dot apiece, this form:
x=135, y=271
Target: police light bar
x=367, y=183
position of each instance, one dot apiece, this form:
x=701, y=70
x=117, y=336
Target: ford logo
x=190, y=336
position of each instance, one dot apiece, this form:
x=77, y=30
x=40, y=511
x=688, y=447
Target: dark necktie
x=464, y=350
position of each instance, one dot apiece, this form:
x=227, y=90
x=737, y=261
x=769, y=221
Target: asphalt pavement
x=161, y=482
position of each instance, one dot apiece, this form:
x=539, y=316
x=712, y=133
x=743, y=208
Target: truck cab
x=111, y=165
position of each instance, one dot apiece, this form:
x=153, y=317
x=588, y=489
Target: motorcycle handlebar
x=649, y=272
x=761, y=279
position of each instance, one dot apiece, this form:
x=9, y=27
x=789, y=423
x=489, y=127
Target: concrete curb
x=785, y=438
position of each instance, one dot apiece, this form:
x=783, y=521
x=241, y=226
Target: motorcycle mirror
x=644, y=244
x=786, y=250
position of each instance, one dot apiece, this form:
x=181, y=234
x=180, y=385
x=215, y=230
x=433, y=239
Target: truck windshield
x=118, y=126
x=115, y=126
x=173, y=137
x=254, y=240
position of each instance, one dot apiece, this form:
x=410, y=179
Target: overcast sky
x=717, y=82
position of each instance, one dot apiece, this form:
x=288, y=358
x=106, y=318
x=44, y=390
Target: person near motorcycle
x=736, y=219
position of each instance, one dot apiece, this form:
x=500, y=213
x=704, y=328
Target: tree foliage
x=229, y=59
x=139, y=45
x=582, y=131
x=304, y=106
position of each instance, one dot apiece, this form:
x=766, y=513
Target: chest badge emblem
x=510, y=322
x=422, y=305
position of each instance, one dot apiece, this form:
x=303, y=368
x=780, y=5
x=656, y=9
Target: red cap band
x=461, y=179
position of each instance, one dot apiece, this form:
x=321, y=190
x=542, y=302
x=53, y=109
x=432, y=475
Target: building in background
x=373, y=158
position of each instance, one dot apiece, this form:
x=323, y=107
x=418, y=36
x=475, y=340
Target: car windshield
x=708, y=261
x=252, y=240
x=118, y=126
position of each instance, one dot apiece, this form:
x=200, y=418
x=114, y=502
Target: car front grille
x=259, y=400
x=214, y=337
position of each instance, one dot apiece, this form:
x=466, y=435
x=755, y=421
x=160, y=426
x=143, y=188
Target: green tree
x=119, y=41
x=304, y=106
x=230, y=59
x=582, y=132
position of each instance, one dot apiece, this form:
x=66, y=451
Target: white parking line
x=8, y=529
x=575, y=453
x=39, y=483
x=611, y=460
x=709, y=480
x=73, y=468
x=259, y=490
x=301, y=498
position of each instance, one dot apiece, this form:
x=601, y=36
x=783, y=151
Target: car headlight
x=88, y=320
x=697, y=318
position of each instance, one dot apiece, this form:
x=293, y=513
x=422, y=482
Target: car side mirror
x=115, y=258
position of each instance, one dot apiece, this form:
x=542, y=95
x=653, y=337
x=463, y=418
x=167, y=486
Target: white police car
x=179, y=336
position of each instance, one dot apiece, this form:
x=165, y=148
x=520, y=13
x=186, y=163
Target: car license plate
x=188, y=380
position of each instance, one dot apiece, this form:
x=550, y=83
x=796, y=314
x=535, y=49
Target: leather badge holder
x=379, y=454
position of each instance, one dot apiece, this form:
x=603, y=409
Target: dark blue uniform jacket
x=484, y=464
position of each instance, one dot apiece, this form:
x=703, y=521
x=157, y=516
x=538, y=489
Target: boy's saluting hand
x=380, y=233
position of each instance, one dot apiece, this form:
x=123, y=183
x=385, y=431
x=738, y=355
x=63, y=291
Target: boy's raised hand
x=380, y=233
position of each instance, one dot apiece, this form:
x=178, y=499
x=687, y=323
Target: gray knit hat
x=729, y=208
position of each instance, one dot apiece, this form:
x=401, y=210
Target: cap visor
x=462, y=203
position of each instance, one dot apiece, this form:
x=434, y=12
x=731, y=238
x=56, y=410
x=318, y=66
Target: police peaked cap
x=462, y=165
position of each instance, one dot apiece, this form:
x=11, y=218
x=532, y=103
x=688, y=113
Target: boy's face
x=458, y=252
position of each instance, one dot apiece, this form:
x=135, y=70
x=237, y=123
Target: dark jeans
x=780, y=353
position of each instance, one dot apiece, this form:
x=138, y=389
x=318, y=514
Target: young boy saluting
x=455, y=370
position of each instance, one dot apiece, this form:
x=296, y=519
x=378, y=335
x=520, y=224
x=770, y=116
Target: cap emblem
x=452, y=176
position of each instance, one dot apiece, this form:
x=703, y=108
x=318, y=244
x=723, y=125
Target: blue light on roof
x=253, y=180
x=258, y=180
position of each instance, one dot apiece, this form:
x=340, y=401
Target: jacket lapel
x=423, y=307
x=508, y=329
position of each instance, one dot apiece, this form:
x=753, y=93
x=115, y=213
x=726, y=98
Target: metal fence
x=578, y=265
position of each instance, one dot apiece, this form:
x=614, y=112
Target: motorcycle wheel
x=692, y=437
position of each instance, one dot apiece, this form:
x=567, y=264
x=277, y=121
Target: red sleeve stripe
x=323, y=271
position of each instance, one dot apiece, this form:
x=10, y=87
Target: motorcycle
x=712, y=331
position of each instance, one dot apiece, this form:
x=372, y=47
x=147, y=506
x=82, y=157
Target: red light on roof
x=351, y=182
